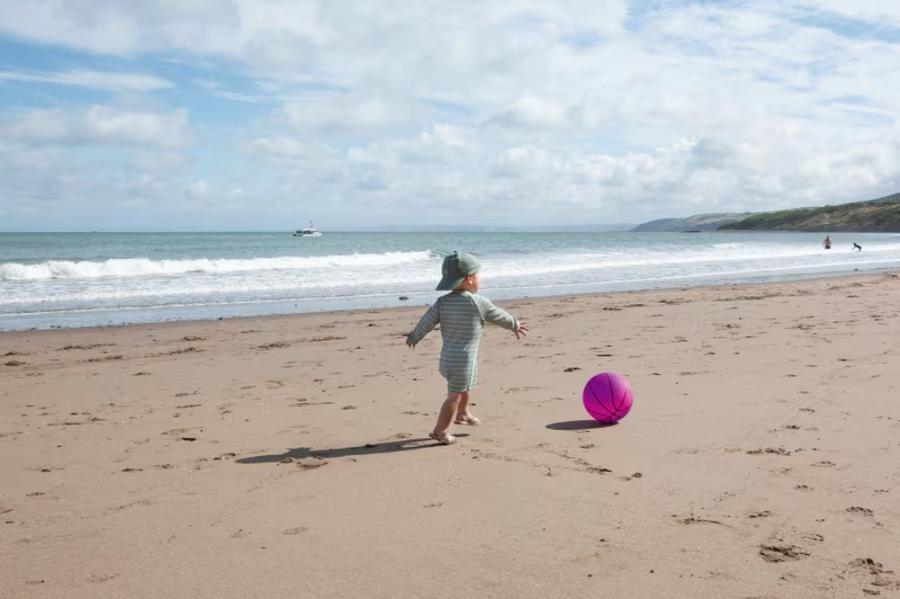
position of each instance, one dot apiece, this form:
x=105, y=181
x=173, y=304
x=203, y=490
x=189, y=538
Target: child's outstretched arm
x=428, y=321
x=500, y=317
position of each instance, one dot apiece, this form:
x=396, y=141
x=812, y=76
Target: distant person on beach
x=857, y=247
x=827, y=243
x=461, y=314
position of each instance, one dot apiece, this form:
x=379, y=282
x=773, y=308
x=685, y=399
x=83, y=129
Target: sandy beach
x=288, y=456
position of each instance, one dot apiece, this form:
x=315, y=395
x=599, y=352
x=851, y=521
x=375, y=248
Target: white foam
x=140, y=267
x=700, y=258
x=136, y=283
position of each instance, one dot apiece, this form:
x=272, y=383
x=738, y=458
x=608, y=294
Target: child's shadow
x=299, y=453
x=579, y=425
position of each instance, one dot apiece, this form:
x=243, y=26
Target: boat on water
x=309, y=231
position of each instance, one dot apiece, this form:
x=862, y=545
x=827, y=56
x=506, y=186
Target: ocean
x=54, y=280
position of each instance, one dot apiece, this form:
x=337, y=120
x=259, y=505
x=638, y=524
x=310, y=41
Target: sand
x=288, y=456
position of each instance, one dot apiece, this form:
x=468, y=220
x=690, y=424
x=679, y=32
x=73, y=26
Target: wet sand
x=288, y=456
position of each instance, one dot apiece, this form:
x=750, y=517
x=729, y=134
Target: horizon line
x=611, y=228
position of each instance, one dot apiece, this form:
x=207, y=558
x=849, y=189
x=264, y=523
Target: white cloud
x=109, y=81
x=446, y=136
x=197, y=189
x=282, y=147
x=104, y=125
x=522, y=160
x=238, y=28
x=150, y=128
x=876, y=12
x=352, y=114
x=530, y=110
x=623, y=111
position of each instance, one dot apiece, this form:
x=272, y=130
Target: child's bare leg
x=445, y=417
x=463, y=415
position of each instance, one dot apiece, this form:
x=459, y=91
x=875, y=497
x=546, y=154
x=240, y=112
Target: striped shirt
x=462, y=316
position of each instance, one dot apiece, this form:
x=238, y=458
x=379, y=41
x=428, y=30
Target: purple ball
x=607, y=397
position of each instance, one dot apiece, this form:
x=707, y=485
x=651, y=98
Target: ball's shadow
x=579, y=425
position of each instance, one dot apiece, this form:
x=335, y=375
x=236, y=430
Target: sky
x=265, y=114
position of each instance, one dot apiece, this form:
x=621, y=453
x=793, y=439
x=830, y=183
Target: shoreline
x=188, y=279
x=287, y=455
x=501, y=298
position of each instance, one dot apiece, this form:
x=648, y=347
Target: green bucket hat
x=455, y=268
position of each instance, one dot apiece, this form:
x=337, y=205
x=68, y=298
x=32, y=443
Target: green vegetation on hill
x=881, y=215
x=877, y=216
x=698, y=222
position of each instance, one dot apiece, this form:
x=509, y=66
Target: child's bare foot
x=467, y=419
x=443, y=438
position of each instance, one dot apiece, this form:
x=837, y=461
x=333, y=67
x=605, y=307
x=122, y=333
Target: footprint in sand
x=327, y=338
x=769, y=450
x=882, y=578
x=781, y=553
x=760, y=514
x=813, y=536
x=187, y=350
x=695, y=520
x=274, y=345
x=90, y=346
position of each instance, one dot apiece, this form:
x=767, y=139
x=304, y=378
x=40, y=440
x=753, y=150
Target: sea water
x=52, y=280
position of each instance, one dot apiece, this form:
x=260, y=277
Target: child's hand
x=522, y=329
x=409, y=343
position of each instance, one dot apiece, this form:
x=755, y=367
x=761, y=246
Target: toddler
x=461, y=314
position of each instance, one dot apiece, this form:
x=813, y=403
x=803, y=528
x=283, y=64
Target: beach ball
x=607, y=397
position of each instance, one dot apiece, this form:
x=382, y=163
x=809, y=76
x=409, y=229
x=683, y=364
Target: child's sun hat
x=456, y=267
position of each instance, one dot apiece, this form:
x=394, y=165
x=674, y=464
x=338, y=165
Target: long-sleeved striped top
x=462, y=316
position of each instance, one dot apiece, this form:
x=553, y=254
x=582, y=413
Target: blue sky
x=261, y=115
